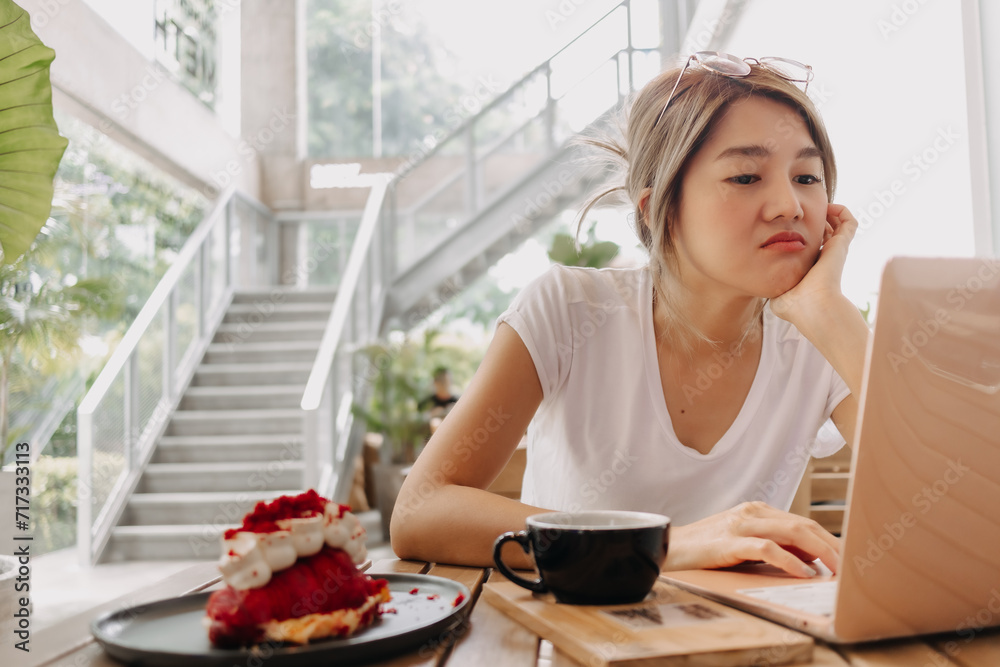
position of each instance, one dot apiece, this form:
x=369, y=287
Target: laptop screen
x=922, y=531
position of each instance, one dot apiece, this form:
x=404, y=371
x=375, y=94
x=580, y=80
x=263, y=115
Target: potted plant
x=396, y=372
x=392, y=416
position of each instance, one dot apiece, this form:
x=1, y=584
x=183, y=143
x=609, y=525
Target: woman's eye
x=743, y=179
x=808, y=179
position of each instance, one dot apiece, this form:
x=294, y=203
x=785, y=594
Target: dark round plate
x=171, y=632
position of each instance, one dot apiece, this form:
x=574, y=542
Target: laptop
x=921, y=541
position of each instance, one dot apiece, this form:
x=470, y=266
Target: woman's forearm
x=443, y=514
x=456, y=524
x=840, y=334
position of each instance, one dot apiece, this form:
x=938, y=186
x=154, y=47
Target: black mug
x=598, y=557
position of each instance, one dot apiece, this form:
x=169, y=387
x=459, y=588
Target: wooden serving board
x=669, y=627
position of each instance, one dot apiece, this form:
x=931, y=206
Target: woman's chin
x=778, y=287
x=784, y=275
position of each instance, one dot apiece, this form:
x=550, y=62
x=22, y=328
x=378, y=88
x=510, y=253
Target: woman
x=693, y=386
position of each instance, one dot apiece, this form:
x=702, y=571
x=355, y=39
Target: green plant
x=400, y=369
x=30, y=151
x=592, y=253
x=417, y=100
x=392, y=411
x=116, y=222
x=866, y=312
x=42, y=320
x=30, y=144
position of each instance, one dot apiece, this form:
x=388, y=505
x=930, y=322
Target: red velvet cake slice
x=291, y=575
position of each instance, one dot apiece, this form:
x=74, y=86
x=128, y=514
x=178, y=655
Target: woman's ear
x=643, y=204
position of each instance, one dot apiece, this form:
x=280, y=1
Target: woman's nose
x=782, y=201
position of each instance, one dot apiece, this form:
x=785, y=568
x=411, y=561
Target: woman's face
x=753, y=204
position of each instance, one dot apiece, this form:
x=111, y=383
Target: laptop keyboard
x=816, y=598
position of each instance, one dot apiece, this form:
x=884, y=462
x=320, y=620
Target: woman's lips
x=785, y=242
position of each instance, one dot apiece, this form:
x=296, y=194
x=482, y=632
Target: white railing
x=130, y=403
x=331, y=439
x=521, y=129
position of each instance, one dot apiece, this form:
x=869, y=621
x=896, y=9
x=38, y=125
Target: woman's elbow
x=400, y=537
x=404, y=524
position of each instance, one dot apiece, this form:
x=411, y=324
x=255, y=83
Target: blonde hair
x=655, y=153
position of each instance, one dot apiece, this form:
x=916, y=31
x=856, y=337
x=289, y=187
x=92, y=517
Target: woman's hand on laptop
x=753, y=531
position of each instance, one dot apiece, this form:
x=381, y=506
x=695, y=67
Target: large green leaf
x=30, y=144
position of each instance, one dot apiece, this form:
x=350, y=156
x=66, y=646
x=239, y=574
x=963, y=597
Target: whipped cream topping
x=250, y=558
x=344, y=531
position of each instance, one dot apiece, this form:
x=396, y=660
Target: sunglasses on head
x=736, y=67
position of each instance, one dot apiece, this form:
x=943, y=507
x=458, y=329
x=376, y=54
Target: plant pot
x=388, y=479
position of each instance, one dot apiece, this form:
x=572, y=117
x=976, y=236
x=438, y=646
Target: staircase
x=236, y=437
x=530, y=202
x=515, y=166
x=236, y=434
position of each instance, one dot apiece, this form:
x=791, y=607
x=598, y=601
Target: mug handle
x=521, y=538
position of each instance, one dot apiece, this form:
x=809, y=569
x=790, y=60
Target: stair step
x=242, y=398
x=232, y=422
x=216, y=507
x=194, y=541
x=166, y=542
x=254, y=314
x=285, y=295
x=296, y=372
x=238, y=332
x=222, y=448
x=261, y=351
x=220, y=476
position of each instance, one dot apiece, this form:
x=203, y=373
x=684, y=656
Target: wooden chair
x=822, y=495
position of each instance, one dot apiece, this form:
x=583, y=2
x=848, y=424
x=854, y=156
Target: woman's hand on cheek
x=753, y=532
x=823, y=279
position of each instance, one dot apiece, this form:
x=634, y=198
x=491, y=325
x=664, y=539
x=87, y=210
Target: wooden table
x=488, y=637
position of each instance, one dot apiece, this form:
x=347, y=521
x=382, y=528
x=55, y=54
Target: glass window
x=114, y=217
x=890, y=85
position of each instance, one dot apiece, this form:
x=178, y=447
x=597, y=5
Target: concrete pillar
x=273, y=96
x=673, y=23
x=987, y=207
x=676, y=17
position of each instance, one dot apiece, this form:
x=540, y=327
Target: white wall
x=102, y=78
x=132, y=19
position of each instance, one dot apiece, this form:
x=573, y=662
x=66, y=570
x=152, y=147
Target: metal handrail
x=462, y=129
x=135, y=438
x=160, y=294
x=411, y=219
x=328, y=395
x=348, y=284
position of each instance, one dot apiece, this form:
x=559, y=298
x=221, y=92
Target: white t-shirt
x=602, y=437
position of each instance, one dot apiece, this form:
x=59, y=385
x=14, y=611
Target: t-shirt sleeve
x=829, y=440
x=540, y=316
